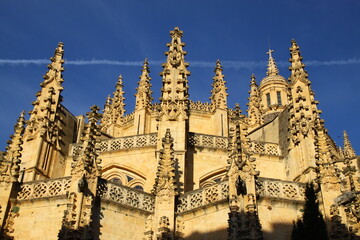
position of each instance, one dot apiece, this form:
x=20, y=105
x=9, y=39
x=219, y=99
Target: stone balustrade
x=126, y=196
x=209, y=141
x=265, y=148
x=280, y=189
x=44, y=189
x=195, y=139
x=146, y=140
x=203, y=196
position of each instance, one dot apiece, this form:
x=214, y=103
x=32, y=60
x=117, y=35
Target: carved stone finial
x=327, y=174
x=253, y=79
x=165, y=181
x=254, y=111
x=87, y=164
x=297, y=68
x=143, y=93
x=10, y=166
x=272, y=68
x=237, y=110
x=349, y=152
x=176, y=33
x=218, y=93
x=119, y=81
x=55, y=67
x=106, y=118
x=117, y=102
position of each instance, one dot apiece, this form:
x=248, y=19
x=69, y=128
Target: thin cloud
x=227, y=64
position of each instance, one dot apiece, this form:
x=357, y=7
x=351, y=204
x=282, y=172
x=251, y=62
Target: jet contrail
x=225, y=63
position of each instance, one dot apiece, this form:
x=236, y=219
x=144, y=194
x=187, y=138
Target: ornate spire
x=55, y=67
x=106, y=118
x=117, y=107
x=85, y=170
x=254, y=113
x=304, y=106
x=272, y=68
x=10, y=167
x=43, y=116
x=297, y=68
x=165, y=177
x=238, y=146
x=348, y=149
x=218, y=93
x=88, y=164
x=174, y=92
x=143, y=94
x=243, y=218
x=327, y=174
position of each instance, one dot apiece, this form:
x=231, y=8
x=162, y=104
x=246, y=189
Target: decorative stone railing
x=200, y=106
x=146, y=140
x=280, y=189
x=126, y=196
x=210, y=141
x=265, y=148
x=44, y=189
x=203, y=196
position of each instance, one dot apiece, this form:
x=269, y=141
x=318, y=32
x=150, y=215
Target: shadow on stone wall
x=91, y=232
x=280, y=231
x=4, y=236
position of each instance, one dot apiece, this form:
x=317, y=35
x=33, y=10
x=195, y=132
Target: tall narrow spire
x=165, y=176
x=272, y=68
x=297, y=68
x=243, y=217
x=348, y=149
x=106, y=119
x=117, y=102
x=114, y=109
x=254, y=112
x=304, y=106
x=324, y=158
x=218, y=93
x=174, y=91
x=143, y=94
x=55, y=67
x=48, y=98
x=10, y=167
x=88, y=164
x=85, y=170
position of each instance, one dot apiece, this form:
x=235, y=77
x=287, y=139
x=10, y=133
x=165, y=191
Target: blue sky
x=236, y=32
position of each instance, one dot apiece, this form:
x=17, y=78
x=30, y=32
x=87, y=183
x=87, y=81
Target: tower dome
x=273, y=91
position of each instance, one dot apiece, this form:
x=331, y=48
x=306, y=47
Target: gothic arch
x=212, y=177
x=126, y=175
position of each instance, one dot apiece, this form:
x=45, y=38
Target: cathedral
x=175, y=168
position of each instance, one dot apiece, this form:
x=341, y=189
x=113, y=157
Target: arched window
x=138, y=187
x=116, y=180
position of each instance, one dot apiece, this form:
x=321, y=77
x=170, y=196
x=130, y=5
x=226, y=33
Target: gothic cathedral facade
x=177, y=169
